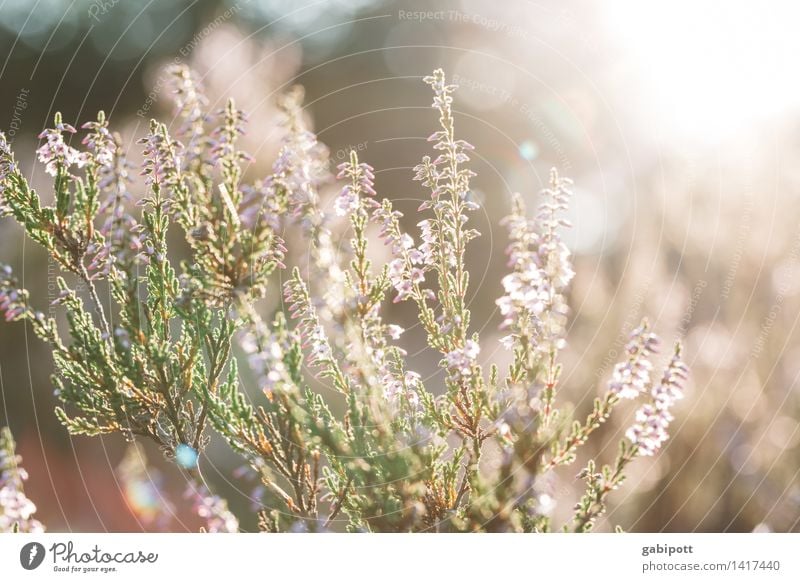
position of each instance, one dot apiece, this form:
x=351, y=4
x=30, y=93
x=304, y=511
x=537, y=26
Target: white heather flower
x=412, y=378
x=629, y=381
x=508, y=341
x=394, y=331
x=524, y=291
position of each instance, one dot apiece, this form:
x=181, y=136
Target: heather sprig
x=190, y=103
x=628, y=380
x=446, y=237
x=534, y=307
x=652, y=419
x=643, y=438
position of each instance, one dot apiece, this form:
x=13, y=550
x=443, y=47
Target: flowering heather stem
x=652, y=419
x=646, y=435
x=629, y=379
x=445, y=176
x=312, y=332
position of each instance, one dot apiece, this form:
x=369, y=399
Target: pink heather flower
x=15, y=507
x=632, y=377
x=525, y=292
x=189, y=103
x=541, y=266
x=309, y=327
x=320, y=349
x=99, y=142
x=259, y=205
x=347, y=202
x=392, y=387
x=405, y=388
x=13, y=301
x=7, y=166
x=233, y=123
x=401, y=279
x=54, y=153
x=461, y=360
x=122, y=238
x=362, y=173
x=300, y=168
x=161, y=156
x=389, y=232
x=649, y=431
x=404, y=290
x=386, y=220
x=213, y=509
x=302, y=165
x=534, y=304
x=361, y=183
x=427, y=249
x=99, y=260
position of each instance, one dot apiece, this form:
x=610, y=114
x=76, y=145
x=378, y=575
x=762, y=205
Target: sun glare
x=711, y=69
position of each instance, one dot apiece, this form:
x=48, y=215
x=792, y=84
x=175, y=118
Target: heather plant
x=476, y=449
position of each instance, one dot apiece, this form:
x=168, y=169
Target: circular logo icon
x=31, y=555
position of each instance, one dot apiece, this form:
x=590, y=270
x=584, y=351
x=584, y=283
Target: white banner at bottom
x=421, y=557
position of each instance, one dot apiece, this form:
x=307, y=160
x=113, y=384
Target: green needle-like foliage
x=160, y=358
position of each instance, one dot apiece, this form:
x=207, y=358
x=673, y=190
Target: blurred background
x=678, y=123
